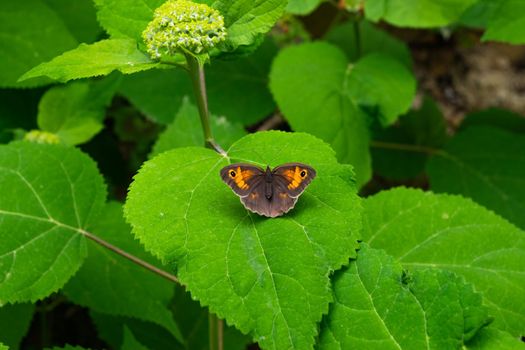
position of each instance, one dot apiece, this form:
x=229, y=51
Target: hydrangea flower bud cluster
x=40, y=136
x=181, y=26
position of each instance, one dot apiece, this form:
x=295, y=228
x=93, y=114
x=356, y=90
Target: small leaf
x=54, y=194
x=507, y=23
x=186, y=130
x=130, y=343
x=424, y=230
x=372, y=40
x=266, y=276
x=487, y=165
x=100, y=58
x=247, y=19
x=25, y=44
x=75, y=112
x=416, y=13
x=14, y=323
x=116, y=276
x=376, y=303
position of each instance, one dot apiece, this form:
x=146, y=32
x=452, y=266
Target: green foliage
x=497, y=117
x=130, y=343
x=417, y=13
x=75, y=112
x=423, y=230
x=487, y=165
x=54, y=194
x=3, y=347
x=120, y=283
x=375, y=292
x=230, y=259
x=507, y=22
x=186, y=131
x=25, y=43
x=14, y=323
x=330, y=108
x=80, y=18
x=301, y=7
x=100, y=58
x=491, y=338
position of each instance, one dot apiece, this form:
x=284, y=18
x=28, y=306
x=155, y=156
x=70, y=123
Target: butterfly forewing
x=242, y=178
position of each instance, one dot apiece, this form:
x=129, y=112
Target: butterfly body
x=268, y=192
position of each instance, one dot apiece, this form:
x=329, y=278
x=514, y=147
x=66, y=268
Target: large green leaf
x=236, y=89
x=14, y=323
x=378, y=306
x=52, y=193
x=507, y=22
x=371, y=40
x=186, y=130
x=100, y=58
x=126, y=18
x=266, y=276
x=80, y=18
x=75, y=112
x=417, y=13
x=246, y=20
x=121, y=287
x=487, y=165
x=424, y=230
x=31, y=33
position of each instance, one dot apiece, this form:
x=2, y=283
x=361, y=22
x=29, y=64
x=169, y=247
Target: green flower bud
x=39, y=136
x=183, y=26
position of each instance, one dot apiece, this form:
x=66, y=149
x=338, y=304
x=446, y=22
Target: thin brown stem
x=406, y=147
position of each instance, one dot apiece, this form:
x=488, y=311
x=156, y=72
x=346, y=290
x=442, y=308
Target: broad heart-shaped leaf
x=301, y=7
x=186, y=130
x=51, y=194
x=120, y=286
x=14, y=323
x=487, y=165
x=507, y=22
x=416, y=13
x=25, y=44
x=382, y=86
x=100, y=58
x=75, y=112
x=126, y=18
x=372, y=40
x=490, y=338
x=424, y=230
x=379, y=306
x=236, y=89
x=246, y=20
x=266, y=276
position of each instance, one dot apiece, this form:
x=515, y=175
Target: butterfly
x=268, y=192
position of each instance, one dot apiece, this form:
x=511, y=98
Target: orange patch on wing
x=242, y=177
x=295, y=177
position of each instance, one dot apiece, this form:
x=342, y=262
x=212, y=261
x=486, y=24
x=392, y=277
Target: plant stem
x=130, y=257
x=216, y=332
x=357, y=35
x=408, y=148
x=196, y=71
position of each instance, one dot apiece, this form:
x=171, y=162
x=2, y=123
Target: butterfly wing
x=242, y=178
x=292, y=178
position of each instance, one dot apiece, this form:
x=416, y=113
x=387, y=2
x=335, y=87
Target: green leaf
x=126, y=18
x=378, y=306
x=424, y=230
x=497, y=117
x=372, y=40
x=302, y=7
x=245, y=20
x=236, y=89
x=100, y=58
x=491, y=338
x=18, y=110
x=382, y=86
x=25, y=43
x=54, y=194
x=507, y=23
x=401, y=151
x=68, y=347
x=308, y=82
x=116, y=276
x=14, y=323
x=479, y=14
x=130, y=343
x=186, y=130
x=3, y=347
x=80, y=18
x=487, y=165
x=416, y=13
x=75, y=112
x=232, y=260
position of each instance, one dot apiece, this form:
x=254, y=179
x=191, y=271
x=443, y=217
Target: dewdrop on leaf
x=181, y=26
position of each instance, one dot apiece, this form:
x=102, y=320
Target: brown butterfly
x=268, y=192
